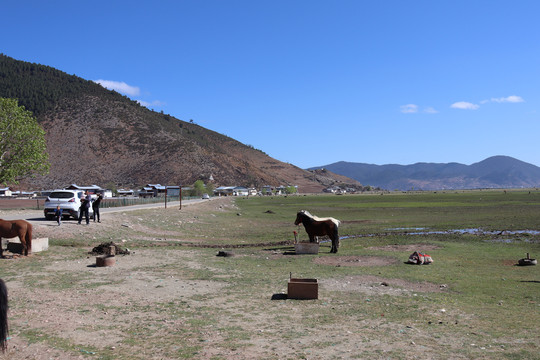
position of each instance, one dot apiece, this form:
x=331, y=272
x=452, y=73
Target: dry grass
x=174, y=299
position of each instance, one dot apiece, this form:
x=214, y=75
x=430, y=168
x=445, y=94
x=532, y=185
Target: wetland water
x=426, y=231
x=473, y=231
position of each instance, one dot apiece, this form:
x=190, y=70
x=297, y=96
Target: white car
x=68, y=200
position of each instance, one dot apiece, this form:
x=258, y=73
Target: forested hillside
x=39, y=88
x=97, y=136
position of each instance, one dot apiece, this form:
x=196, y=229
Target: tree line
x=39, y=88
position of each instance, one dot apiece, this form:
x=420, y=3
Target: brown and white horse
x=14, y=228
x=316, y=226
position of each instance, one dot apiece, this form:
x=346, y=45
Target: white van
x=68, y=200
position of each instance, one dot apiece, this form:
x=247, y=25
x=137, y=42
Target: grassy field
x=472, y=302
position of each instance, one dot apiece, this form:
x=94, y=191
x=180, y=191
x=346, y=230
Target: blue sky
x=310, y=82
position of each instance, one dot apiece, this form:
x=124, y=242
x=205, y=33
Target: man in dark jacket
x=85, y=206
x=95, y=207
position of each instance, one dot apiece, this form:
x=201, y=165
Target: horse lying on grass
x=316, y=226
x=3, y=316
x=14, y=228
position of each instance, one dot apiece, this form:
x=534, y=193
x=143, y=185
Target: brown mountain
x=97, y=136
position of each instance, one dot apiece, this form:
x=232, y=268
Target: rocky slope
x=97, y=136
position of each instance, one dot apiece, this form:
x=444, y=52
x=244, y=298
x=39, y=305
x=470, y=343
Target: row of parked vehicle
x=68, y=200
x=70, y=203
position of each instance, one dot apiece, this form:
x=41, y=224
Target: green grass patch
x=481, y=305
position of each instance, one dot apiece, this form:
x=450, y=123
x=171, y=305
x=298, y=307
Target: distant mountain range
x=97, y=136
x=493, y=172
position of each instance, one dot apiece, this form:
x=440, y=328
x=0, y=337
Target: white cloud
x=409, y=108
x=430, y=110
x=119, y=86
x=464, y=105
x=151, y=104
x=510, y=99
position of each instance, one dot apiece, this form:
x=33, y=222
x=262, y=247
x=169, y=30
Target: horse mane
x=316, y=218
x=3, y=316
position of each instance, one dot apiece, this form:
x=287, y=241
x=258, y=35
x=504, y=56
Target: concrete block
x=306, y=248
x=39, y=244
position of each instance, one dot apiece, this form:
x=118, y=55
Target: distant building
x=155, y=190
x=240, y=191
x=146, y=191
x=107, y=193
x=5, y=192
x=23, y=193
x=125, y=192
x=231, y=191
x=224, y=191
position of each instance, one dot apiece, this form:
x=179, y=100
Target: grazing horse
x=14, y=228
x=3, y=316
x=316, y=226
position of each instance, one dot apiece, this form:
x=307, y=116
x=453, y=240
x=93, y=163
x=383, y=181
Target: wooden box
x=303, y=289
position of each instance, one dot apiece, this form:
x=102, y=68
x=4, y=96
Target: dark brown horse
x=316, y=226
x=14, y=228
x=3, y=316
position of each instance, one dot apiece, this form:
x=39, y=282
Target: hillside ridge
x=98, y=136
x=494, y=172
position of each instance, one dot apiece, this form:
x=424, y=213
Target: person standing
x=95, y=207
x=85, y=206
x=58, y=214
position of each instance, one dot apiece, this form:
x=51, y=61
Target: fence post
x=180, y=197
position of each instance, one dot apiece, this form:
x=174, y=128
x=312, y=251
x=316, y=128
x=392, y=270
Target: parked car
x=68, y=200
x=206, y=196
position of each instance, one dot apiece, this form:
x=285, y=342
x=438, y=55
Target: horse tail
x=336, y=235
x=3, y=316
x=28, y=237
